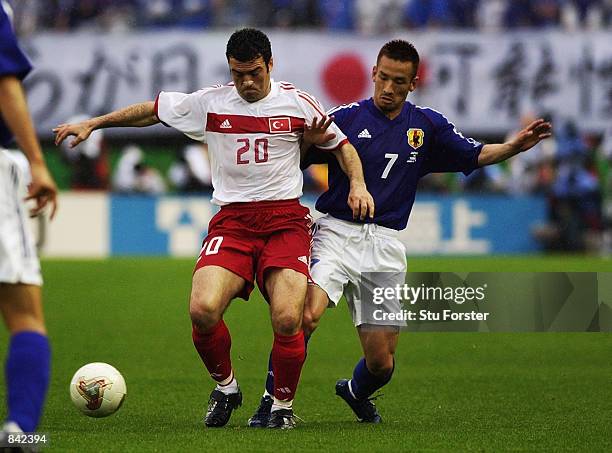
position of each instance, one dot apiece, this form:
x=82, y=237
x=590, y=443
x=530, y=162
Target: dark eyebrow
x=237, y=71
x=397, y=79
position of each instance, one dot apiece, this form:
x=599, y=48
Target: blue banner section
x=176, y=226
x=474, y=224
x=133, y=226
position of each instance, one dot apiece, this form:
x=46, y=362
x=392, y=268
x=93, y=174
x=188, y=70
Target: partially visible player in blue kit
x=28, y=353
x=398, y=143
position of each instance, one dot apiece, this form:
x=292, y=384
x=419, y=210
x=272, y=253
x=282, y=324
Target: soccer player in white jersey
x=28, y=353
x=253, y=128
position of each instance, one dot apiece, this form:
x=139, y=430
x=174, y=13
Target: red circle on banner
x=345, y=78
x=423, y=73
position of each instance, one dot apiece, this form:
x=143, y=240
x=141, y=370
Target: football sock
x=214, y=348
x=270, y=379
x=279, y=404
x=27, y=378
x=229, y=385
x=288, y=355
x=365, y=383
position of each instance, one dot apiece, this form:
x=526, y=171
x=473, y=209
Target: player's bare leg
x=27, y=363
x=21, y=308
x=372, y=372
x=316, y=303
x=213, y=288
x=286, y=290
x=314, y=307
x=379, y=344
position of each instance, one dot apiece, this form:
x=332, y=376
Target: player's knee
x=310, y=322
x=380, y=365
x=287, y=323
x=203, y=311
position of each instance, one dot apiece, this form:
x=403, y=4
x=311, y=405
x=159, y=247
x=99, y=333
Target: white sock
x=281, y=404
x=11, y=427
x=229, y=385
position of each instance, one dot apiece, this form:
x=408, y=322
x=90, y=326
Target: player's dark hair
x=247, y=44
x=400, y=50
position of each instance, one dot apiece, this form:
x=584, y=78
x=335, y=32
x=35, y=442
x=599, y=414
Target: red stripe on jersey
x=287, y=88
x=313, y=104
x=242, y=124
x=156, y=109
x=338, y=146
x=303, y=93
x=311, y=98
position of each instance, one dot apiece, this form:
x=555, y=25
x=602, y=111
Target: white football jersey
x=254, y=147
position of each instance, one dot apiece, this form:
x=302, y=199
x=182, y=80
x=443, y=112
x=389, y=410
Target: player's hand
x=531, y=135
x=361, y=202
x=316, y=133
x=42, y=189
x=81, y=132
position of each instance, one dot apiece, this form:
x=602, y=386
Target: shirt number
x=212, y=247
x=260, y=150
x=392, y=158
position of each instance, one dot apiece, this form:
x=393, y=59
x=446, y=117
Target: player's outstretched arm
x=523, y=141
x=359, y=200
x=135, y=115
x=14, y=111
x=316, y=134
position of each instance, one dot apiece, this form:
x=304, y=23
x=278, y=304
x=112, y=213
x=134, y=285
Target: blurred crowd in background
x=573, y=171
x=364, y=16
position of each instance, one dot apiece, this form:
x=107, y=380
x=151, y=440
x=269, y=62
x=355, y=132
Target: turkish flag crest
x=280, y=125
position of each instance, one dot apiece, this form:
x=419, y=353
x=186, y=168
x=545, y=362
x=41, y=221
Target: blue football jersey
x=12, y=62
x=395, y=154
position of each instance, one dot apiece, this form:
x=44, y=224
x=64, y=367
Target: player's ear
x=413, y=83
x=374, y=70
x=270, y=64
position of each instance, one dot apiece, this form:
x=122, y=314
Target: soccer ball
x=97, y=389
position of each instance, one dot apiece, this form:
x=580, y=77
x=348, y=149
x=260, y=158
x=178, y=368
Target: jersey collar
x=378, y=114
x=274, y=89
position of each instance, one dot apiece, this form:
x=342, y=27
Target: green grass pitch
x=451, y=391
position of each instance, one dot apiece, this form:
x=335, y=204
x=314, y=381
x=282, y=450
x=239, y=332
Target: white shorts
x=351, y=259
x=18, y=258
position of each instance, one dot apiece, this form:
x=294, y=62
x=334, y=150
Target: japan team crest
x=415, y=137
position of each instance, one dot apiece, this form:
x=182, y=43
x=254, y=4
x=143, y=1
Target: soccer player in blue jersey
x=398, y=143
x=27, y=363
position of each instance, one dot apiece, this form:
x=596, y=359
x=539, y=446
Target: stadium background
x=134, y=207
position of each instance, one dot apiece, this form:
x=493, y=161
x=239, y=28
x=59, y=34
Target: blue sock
x=270, y=378
x=27, y=378
x=365, y=383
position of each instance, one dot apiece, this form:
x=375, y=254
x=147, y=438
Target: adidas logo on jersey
x=226, y=124
x=364, y=134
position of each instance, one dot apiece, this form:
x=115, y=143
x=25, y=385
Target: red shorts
x=250, y=238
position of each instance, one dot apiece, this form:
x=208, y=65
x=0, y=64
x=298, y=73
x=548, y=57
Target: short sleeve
x=12, y=60
x=451, y=151
x=341, y=113
x=312, y=108
x=184, y=112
